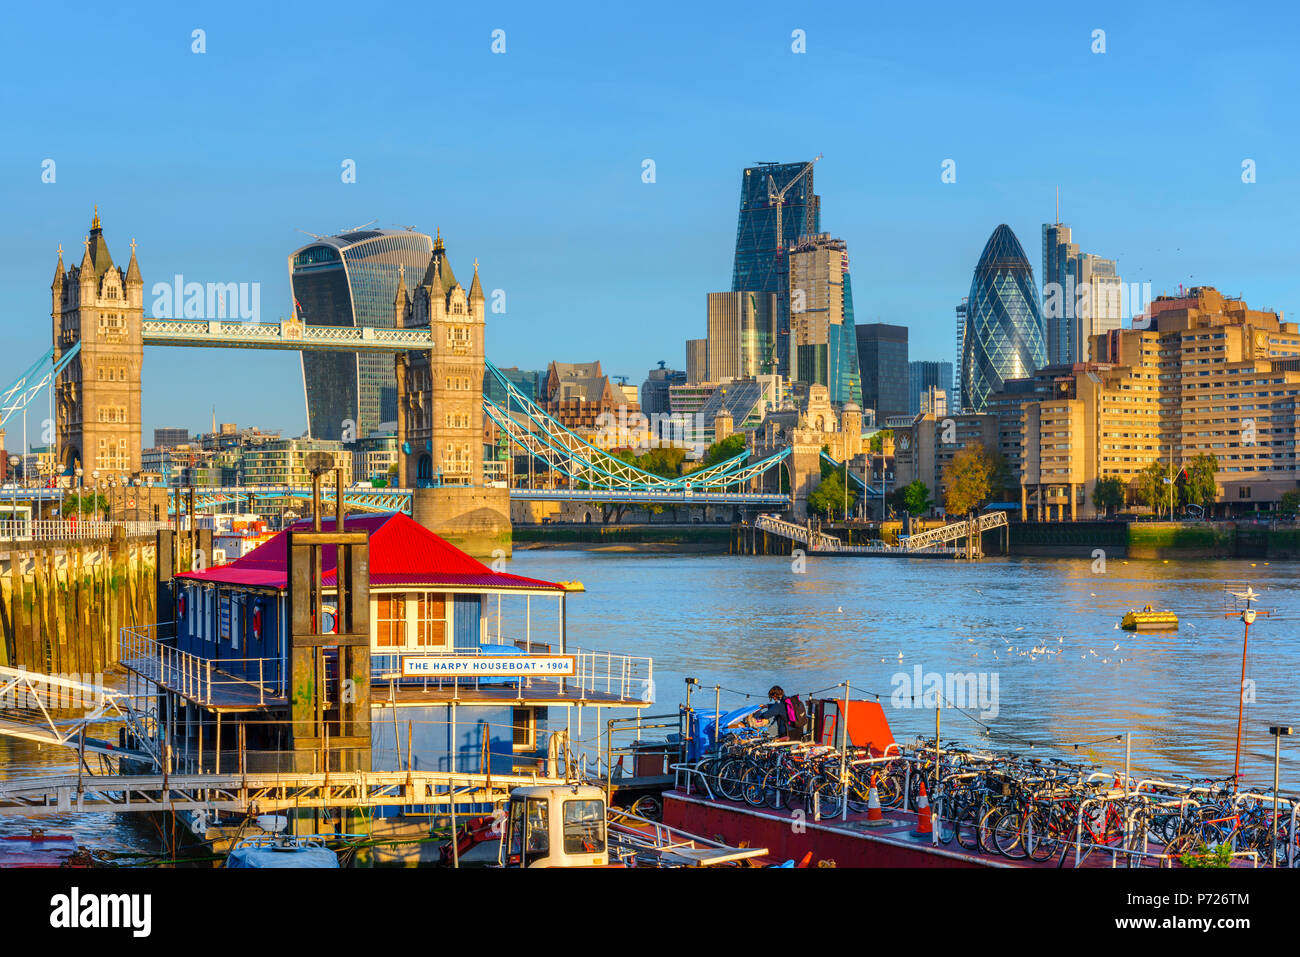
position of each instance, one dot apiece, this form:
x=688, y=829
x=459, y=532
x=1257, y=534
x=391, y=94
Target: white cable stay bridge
x=255, y=792
x=55, y=710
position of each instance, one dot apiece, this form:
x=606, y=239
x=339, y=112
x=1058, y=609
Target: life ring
x=257, y=622
x=180, y=606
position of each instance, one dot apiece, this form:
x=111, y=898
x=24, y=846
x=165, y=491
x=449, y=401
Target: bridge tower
x=440, y=411
x=97, y=396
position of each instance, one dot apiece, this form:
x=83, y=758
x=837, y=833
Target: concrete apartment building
x=1205, y=374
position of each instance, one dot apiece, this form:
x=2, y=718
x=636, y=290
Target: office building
x=654, y=391
x=882, y=359
x=352, y=280
x=1082, y=296
x=1004, y=337
x=823, y=340
x=956, y=401
x=773, y=196
x=697, y=361
x=169, y=438
x=741, y=335
x=924, y=375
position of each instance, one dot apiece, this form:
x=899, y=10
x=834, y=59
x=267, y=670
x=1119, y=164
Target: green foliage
x=828, y=499
x=86, y=504
x=1221, y=856
x=1200, y=487
x=916, y=498
x=1290, y=503
x=1154, y=490
x=1108, y=494
x=728, y=448
x=877, y=440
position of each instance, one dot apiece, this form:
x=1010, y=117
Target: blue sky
x=531, y=160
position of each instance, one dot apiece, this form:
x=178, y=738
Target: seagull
x=1116, y=627
x=1116, y=648
x=1092, y=594
x=1248, y=595
x=900, y=656
x=1190, y=625
x=1060, y=641
x=840, y=609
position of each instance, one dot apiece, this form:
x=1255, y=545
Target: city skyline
x=208, y=200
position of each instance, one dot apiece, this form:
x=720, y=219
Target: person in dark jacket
x=779, y=710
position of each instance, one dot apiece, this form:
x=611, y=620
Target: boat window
x=538, y=840
x=525, y=735
x=516, y=831
x=390, y=621
x=431, y=621
x=584, y=827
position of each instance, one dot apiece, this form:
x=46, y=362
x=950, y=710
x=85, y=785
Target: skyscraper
x=823, y=340
x=882, y=357
x=1081, y=296
x=1004, y=328
x=770, y=192
x=351, y=280
x=742, y=334
x=926, y=375
x=955, y=403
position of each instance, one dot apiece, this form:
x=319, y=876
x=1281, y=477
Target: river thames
x=1040, y=635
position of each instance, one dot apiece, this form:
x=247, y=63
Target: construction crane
x=778, y=197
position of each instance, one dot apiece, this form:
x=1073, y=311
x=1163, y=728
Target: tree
x=971, y=477
x=829, y=498
x=916, y=498
x=1200, y=486
x=728, y=448
x=1108, y=494
x=878, y=440
x=1290, y=503
x=1156, y=488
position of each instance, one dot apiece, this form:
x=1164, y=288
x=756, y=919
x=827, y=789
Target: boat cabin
x=470, y=667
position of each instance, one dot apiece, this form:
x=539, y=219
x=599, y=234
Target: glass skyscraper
x=1004, y=327
x=882, y=358
x=351, y=280
x=761, y=263
x=923, y=376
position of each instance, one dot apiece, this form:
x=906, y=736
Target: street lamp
x=94, y=508
x=1277, y=732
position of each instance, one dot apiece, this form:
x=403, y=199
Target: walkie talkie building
x=351, y=280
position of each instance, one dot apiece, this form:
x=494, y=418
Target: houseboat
x=377, y=647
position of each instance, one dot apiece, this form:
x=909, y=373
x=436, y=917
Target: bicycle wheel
x=752, y=786
x=828, y=792
x=1008, y=835
x=989, y=822
x=1040, y=835
x=965, y=824
x=730, y=779
x=889, y=788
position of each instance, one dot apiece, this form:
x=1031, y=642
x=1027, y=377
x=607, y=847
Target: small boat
x=271, y=851
x=1148, y=619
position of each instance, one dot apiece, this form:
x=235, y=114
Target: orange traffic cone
x=875, y=818
x=924, y=825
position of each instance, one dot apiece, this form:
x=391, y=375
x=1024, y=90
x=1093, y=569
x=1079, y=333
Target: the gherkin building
x=1005, y=333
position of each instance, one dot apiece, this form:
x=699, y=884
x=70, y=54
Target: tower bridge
x=93, y=372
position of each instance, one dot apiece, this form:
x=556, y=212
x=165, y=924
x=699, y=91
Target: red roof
x=402, y=552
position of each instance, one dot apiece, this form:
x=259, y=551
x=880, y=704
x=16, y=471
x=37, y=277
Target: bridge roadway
x=399, y=499
x=260, y=792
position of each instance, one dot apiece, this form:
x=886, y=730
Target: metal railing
x=73, y=530
x=197, y=678
x=625, y=677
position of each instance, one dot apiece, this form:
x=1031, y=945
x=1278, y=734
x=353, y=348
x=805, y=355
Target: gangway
x=260, y=792
x=935, y=541
x=30, y=701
